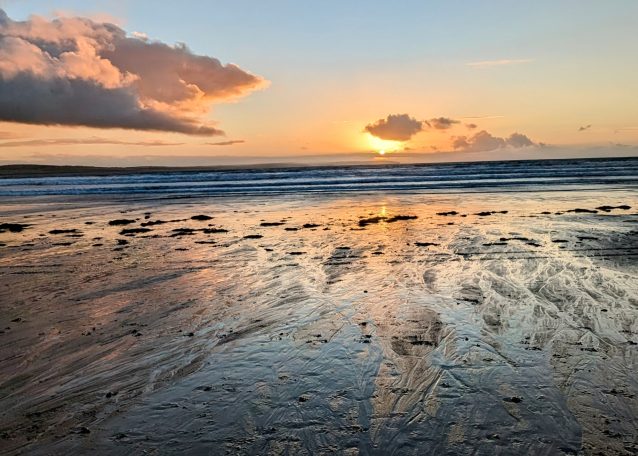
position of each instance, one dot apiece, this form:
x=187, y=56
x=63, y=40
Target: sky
x=221, y=82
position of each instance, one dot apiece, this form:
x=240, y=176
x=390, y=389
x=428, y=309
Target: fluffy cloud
x=74, y=71
x=395, y=127
x=442, y=123
x=485, y=142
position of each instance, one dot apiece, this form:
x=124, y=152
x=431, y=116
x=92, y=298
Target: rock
x=201, y=217
x=118, y=222
x=13, y=227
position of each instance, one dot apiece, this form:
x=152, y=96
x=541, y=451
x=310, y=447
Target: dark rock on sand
x=183, y=232
x=623, y=207
x=579, y=210
x=253, y=236
x=513, y=399
x=425, y=244
x=160, y=222
x=201, y=217
x=400, y=218
x=13, y=227
x=290, y=228
x=296, y=253
x=118, y=222
x=447, y=213
x=271, y=223
x=122, y=242
x=371, y=220
x=214, y=230
x=310, y=225
x=396, y=218
x=71, y=231
x=129, y=231
x=488, y=213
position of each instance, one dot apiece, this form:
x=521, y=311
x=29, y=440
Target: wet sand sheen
x=454, y=324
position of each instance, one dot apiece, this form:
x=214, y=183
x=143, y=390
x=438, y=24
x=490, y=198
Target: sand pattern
x=400, y=324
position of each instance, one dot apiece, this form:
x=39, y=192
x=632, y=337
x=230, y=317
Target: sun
x=383, y=146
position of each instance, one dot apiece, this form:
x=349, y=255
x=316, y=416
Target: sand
x=471, y=323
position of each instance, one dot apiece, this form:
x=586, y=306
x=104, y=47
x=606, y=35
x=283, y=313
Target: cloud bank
x=226, y=143
x=485, y=142
x=395, y=127
x=74, y=71
x=85, y=141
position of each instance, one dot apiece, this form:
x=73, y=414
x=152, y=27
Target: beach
x=372, y=323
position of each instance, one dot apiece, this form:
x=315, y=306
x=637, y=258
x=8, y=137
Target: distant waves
x=485, y=176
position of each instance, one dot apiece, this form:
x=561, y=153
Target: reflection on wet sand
x=406, y=324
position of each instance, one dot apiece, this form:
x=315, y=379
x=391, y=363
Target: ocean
x=528, y=175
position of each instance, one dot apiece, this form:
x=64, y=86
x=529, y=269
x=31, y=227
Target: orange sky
x=309, y=91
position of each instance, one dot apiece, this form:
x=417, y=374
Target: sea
x=523, y=175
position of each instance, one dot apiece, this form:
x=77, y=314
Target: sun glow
x=382, y=146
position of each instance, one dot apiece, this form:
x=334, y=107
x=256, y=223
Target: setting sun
x=383, y=146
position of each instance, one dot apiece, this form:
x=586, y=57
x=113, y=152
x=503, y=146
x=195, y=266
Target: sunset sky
x=139, y=82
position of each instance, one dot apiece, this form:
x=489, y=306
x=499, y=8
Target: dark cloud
x=586, y=127
x=485, y=142
x=442, y=123
x=74, y=71
x=395, y=127
x=471, y=126
x=226, y=143
x=84, y=141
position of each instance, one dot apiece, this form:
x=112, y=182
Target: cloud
x=84, y=141
x=495, y=63
x=395, y=127
x=75, y=71
x=586, y=127
x=226, y=143
x=442, y=123
x=485, y=142
x=471, y=126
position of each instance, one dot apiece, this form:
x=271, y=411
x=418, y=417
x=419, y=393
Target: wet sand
x=452, y=324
